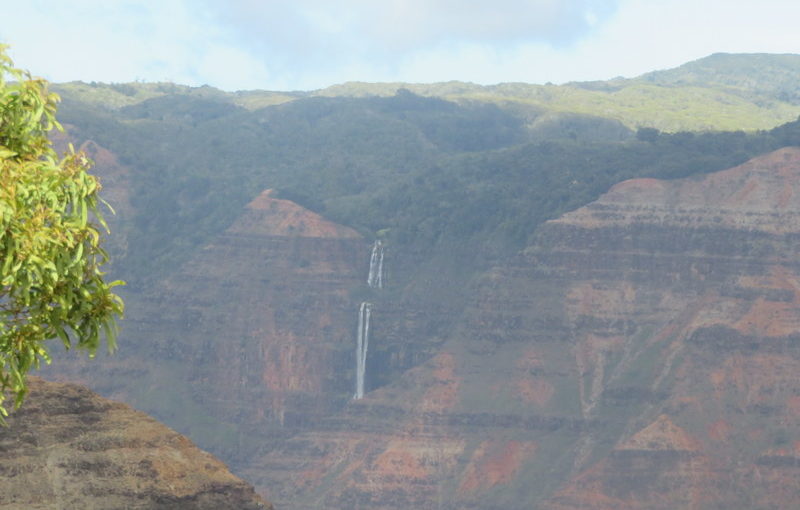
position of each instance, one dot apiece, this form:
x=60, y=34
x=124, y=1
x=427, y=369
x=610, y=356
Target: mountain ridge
x=705, y=94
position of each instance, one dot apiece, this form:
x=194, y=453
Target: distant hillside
x=719, y=92
x=753, y=75
x=119, y=95
x=472, y=168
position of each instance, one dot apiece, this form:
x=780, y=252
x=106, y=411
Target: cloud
x=307, y=44
x=640, y=36
x=410, y=24
x=324, y=34
x=121, y=41
x=419, y=23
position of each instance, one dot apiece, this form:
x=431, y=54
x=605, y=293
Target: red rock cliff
x=251, y=338
x=642, y=354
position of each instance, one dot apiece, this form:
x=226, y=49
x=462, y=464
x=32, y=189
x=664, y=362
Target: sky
x=311, y=44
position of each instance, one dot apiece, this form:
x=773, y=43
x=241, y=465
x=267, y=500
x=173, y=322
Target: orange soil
x=273, y=216
x=495, y=463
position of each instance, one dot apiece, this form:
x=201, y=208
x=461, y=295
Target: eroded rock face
x=709, y=322
x=248, y=341
x=69, y=448
x=642, y=354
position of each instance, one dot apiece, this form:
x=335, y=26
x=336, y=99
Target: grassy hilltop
x=719, y=92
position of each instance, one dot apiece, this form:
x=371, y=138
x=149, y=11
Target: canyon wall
x=641, y=353
x=251, y=337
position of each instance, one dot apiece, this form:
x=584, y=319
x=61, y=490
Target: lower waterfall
x=362, y=343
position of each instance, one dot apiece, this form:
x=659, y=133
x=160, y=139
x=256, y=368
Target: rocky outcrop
x=708, y=317
x=251, y=339
x=69, y=448
x=268, y=309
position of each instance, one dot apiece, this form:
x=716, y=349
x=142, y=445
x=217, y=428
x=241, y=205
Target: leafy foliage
x=50, y=255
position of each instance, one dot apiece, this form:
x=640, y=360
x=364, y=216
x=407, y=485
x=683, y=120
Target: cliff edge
x=69, y=448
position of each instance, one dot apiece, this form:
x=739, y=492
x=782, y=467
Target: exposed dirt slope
x=68, y=448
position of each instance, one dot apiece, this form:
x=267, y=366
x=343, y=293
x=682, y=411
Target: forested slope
x=718, y=92
x=426, y=172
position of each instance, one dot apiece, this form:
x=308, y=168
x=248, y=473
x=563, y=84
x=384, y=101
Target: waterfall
x=380, y=267
x=375, y=277
x=362, y=343
x=375, y=281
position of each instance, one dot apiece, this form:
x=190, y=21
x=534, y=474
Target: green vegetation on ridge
x=469, y=180
x=719, y=92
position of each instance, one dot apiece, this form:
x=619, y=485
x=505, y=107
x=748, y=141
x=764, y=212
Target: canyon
x=641, y=352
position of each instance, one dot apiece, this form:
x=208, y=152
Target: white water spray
x=375, y=277
x=362, y=343
x=375, y=281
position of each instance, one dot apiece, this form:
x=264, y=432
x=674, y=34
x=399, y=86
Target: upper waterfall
x=375, y=276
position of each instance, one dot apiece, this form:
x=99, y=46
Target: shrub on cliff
x=51, y=285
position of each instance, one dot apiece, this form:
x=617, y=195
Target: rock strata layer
x=68, y=448
x=642, y=354
x=249, y=340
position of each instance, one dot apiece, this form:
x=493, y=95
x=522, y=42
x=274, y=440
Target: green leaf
x=52, y=284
